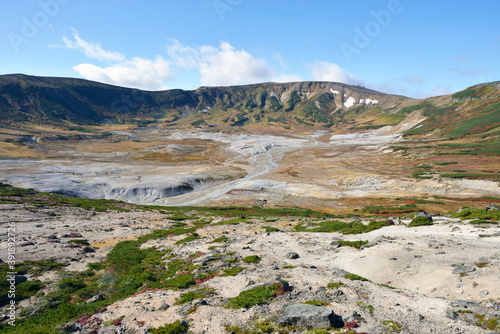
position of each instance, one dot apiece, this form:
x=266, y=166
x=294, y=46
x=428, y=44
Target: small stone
x=393, y=259
x=309, y=316
x=463, y=270
x=292, y=256
x=450, y=314
x=350, y=317
x=337, y=293
x=433, y=289
x=483, y=293
x=163, y=306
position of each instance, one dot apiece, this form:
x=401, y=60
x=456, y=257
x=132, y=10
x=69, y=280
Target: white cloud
x=217, y=65
x=325, y=71
x=225, y=65
x=137, y=73
x=91, y=50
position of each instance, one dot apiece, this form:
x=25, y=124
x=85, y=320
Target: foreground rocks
x=430, y=279
x=310, y=317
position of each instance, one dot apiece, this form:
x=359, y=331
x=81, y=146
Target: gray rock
x=353, y=316
x=450, y=314
x=70, y=328
x=376, y=241
x=292, y=256
x=163, y=306
x=424, y=214
x=463, y=270
x=337, y=293
x=20, y=279
x=310, y=317
x=483, y=293
x=96, y=298
x=492, y=207
x=462, y=209
x=340, y=273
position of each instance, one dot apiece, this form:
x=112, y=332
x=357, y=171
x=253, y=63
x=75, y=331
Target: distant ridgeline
x=29, y=100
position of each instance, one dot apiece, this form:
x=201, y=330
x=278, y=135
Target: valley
x=226, y=209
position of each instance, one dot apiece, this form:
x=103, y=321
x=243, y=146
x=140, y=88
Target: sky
x=416, y=48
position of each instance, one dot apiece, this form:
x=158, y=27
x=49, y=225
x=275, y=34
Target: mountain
x=321, y=105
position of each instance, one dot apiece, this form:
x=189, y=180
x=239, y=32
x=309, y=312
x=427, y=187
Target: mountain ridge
x=57, y=101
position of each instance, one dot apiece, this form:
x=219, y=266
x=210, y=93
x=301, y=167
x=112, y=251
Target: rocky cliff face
x=56, y=100
x=290, y=106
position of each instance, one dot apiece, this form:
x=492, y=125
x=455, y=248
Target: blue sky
x=417, y=48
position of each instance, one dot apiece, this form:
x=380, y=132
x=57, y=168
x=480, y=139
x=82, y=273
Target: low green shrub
x=420, y=221
x=315, y=302
x=252, y=259
x=354, y=277
x=192, y=295
x=255, y=296
x=187, y=239
x=233, y=271
x=176, y=327
x=356, y=244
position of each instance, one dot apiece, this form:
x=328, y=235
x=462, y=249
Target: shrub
x=192, y=295
x=481, y=222
x=255, y=296
x=173, y=328
x=96, y=265
x=315, y=302
x=356, y=244
x=218, y=240
x=354, y=277
x=420, y=221
x=270, y=229
x=335, y=285
x=233, y=271
x=187, y=239
x=252, y=259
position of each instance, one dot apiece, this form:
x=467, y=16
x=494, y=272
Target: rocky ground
x=442, y=278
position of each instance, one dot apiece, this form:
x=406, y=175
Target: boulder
x=492, y=207
x=353, y=316
x=450, y=314
x=96, y=298
x=463, y=270
x=310, y=317
x=424, y=214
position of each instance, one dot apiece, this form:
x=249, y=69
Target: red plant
x=280, y=292
x=352, y=325
x=201, y=281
